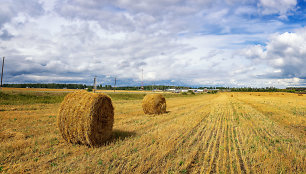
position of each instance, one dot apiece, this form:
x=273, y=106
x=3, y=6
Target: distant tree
x=89, y=89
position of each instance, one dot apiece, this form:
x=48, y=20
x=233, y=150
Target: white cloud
x=12, y=8
x=188, y=42
x=284, y=52
x=48, y=78
x=255, y=52
x=281, y=7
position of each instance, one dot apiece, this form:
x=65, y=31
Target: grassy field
x=17, y=96
x=216, y=133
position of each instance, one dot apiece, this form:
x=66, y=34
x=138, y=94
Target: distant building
x=193, y=90
x=171, y=90
x=196, y=90
x=184, y=90
x=157, y=90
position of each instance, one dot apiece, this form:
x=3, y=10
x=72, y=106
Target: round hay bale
x=154, y=104
x=86, y=118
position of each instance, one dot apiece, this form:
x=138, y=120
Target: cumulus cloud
x=12, y=8
x=175, y=16
x=179, y=42
x=285, y=52
x=281, y=7
x=85, y=47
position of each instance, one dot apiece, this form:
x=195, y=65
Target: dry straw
x=9, y=134
x=154, y=104
x=86, y=118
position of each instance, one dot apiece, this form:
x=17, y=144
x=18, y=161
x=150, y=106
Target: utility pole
x=115, y=84
x=95, y=84
x=142, y=79
x=2, y=71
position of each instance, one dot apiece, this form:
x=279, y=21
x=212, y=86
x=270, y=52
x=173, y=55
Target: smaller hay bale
x=300, y=94
x=154, y=104
x=86, y=118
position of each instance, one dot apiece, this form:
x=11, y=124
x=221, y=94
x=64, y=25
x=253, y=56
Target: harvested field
x=208, y=133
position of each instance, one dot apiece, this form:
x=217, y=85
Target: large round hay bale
x=86, y=118
x=154, y=104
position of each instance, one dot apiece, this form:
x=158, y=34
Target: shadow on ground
x=120, y=135
x=156, y=115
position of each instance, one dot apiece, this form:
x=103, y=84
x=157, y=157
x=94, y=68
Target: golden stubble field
x=220, y=133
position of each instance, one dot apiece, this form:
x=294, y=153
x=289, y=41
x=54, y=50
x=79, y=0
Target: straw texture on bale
x=86, y=118
x=154, y=104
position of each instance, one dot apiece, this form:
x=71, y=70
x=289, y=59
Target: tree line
x=150, y=87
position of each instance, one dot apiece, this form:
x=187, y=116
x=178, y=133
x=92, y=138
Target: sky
x=234, y=43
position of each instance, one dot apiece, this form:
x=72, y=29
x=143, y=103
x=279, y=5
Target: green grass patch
x=20, y=98
x=14, y=98
x=139, y=96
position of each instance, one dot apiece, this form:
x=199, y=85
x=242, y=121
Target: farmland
x=203, y=133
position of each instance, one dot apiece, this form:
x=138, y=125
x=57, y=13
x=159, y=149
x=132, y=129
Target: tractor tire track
x=216, y=158
x=195, y=110
x=206, y=141
x=211, y=149
x=192, y=133
x=201, y=147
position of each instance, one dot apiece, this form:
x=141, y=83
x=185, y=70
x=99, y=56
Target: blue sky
x=235, y=43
